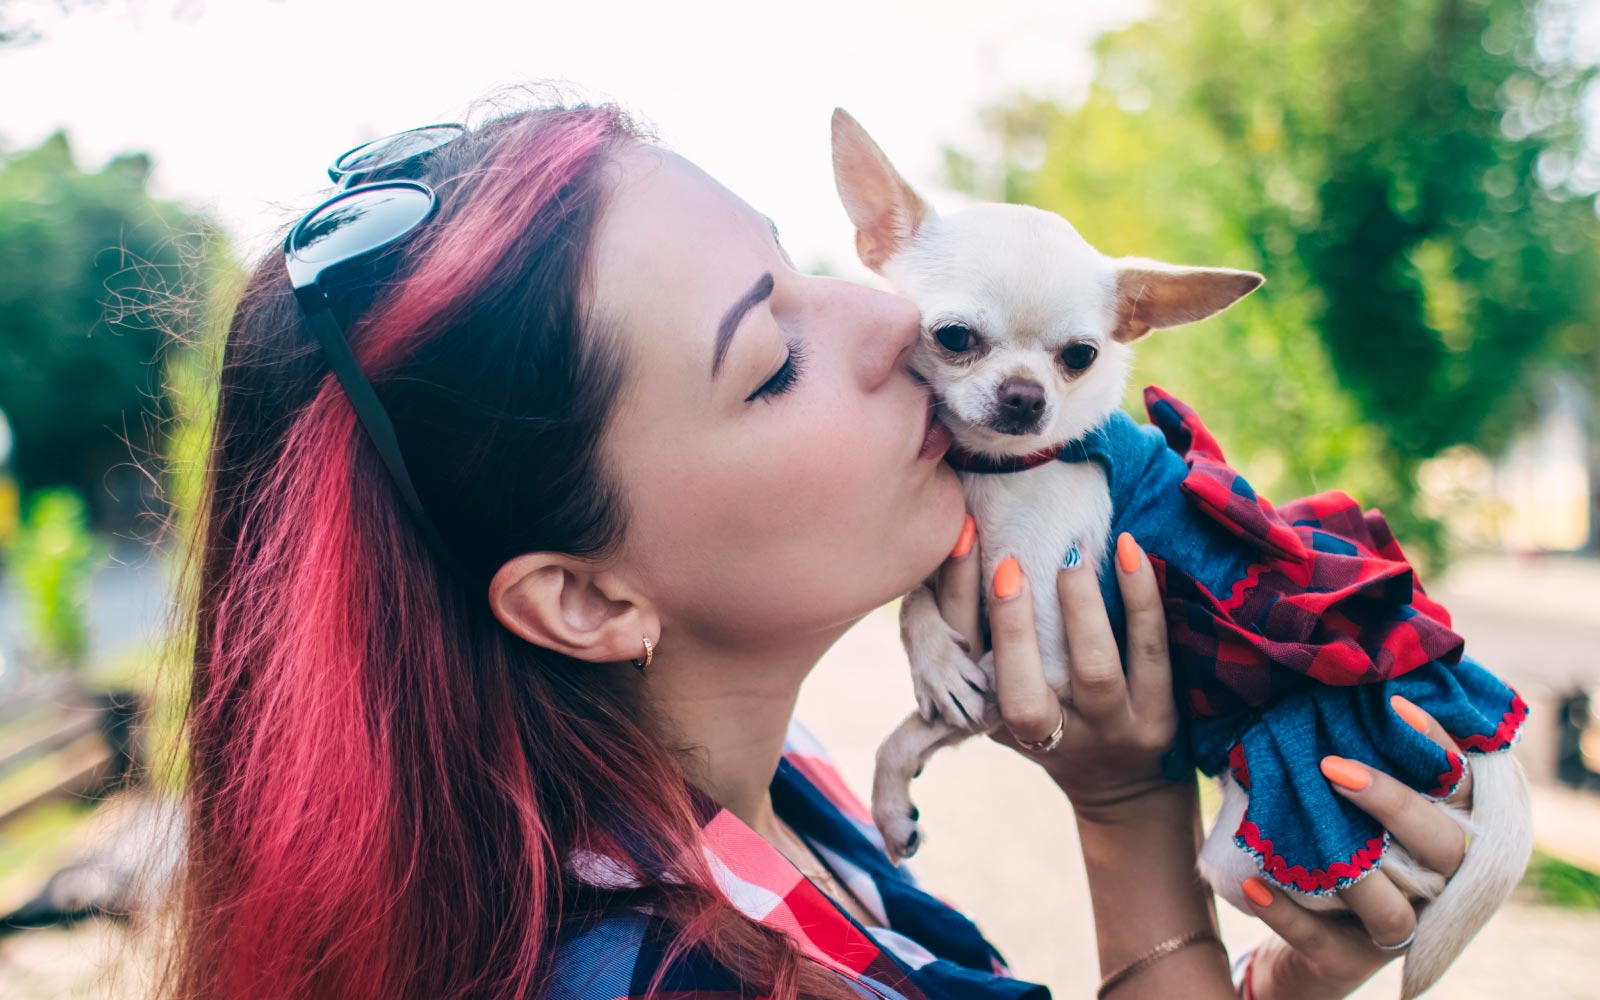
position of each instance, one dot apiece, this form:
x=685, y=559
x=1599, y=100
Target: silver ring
x=1050, y=742
x=1401, y=946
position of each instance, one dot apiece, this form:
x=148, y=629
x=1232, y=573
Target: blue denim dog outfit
x=1290, y=630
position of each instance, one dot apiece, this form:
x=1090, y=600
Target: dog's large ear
x=886, y=211
x=1151, y=294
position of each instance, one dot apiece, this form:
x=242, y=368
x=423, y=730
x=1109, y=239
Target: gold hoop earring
x=649, y=654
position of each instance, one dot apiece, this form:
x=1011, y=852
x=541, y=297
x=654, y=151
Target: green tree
x=1411, y=176
x=93, y=276
x=54, y=557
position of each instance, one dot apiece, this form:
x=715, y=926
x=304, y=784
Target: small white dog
x=1027, y=344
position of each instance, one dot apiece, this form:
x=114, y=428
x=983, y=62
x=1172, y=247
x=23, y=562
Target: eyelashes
x=786, y=376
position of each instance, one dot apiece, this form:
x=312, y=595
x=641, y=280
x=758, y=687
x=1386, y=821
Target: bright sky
x=242, y=103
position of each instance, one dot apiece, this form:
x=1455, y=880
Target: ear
x=1151, y=295
x=572, y=607
x=887, y=213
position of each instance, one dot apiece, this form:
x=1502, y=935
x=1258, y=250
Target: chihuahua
x=1027, y=344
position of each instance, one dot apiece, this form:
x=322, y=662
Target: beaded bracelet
x=1154, y=955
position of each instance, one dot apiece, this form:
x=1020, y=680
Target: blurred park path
x=1536, y=622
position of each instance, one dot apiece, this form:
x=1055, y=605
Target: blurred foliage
x=92, y=273
x=53, y=559
x=1560, y=883
x=10, y=509
x=16, y=19
x=1411, y=177
x=191, y=383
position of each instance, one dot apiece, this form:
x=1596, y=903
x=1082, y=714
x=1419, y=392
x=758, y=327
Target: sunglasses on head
x=379, y=203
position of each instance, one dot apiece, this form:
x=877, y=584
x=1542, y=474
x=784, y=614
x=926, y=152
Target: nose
x=1021, y=399
x=882, y=326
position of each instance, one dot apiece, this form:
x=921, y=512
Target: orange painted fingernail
x=1127, y=553
x=1256, y=891
x=1345, y=773
x=969, y=531
x=1007, y=577
x=1414, y=716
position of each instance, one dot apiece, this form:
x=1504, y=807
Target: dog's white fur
x=1029, y=286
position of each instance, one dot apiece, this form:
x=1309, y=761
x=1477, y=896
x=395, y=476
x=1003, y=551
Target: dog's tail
x=1502, y=843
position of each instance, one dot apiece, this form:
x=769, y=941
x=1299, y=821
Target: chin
x=942, y=523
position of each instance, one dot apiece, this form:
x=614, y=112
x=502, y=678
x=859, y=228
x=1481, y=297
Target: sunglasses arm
x=373, y=417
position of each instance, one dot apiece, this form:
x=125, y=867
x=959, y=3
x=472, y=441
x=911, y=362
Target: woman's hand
x=1116, y=724
x=1319, y=955
x=1139, y=832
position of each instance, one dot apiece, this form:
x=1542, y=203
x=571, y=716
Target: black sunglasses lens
x=364, y=220
x=396, y=147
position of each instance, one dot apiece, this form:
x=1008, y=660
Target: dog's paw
x=949, y=686
x=898, y=761
x=896, y=819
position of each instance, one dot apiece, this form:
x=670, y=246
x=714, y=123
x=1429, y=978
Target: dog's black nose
x=1021, y=399
x=1021, y=406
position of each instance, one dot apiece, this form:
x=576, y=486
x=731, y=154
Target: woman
x=643, y=436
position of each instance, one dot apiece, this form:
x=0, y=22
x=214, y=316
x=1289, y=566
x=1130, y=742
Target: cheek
x=803, y=495
x=819, y=516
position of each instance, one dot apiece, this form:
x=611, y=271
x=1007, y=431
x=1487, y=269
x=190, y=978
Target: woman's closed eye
x=785, y=377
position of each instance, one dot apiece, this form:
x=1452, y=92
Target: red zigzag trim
x=1503, y=733
x=1312, y=880
x=1447, y=780
x=1302, y=878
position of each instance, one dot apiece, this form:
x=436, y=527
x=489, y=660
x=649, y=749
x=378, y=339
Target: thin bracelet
x=1152, y=956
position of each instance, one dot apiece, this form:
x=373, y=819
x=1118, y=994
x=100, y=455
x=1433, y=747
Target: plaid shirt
x=925, y=950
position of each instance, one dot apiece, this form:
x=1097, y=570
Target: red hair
x=383, y=781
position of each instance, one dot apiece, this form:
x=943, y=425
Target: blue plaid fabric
x=926, y=950
x=1290, y=629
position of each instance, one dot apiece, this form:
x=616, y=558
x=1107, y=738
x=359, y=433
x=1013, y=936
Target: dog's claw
x=901, y=835
x=948, y=685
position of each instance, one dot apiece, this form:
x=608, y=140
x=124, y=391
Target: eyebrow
x=730, y=321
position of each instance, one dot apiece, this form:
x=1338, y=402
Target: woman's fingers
x=1316, y=938
x=1028, y=707
x=1382, y=908
x=1093, y=662
x=1415, y=820
x=956, y=588
x=1149, y=677
x=1428, y=726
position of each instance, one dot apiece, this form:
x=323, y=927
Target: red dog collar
x=968, y=461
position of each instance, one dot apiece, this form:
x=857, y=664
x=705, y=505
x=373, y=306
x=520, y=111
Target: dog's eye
x=954, y=337
x=1079, y=356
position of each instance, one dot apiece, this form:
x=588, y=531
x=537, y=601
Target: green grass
x=1560, y=883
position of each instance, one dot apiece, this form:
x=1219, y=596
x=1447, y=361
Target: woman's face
x=769, y=440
